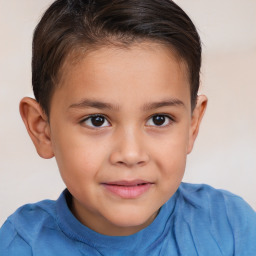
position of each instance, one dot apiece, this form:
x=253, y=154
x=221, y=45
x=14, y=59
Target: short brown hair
x=69, y=24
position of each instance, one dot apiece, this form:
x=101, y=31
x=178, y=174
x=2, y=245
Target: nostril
x=141, y=162
x=130, y=163
x=129, y=154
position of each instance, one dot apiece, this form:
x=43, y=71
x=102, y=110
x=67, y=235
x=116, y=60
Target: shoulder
x=23, y=226
x=32, y=216
x=228, y=218
x=199, y=192
x=11, y=242
x=216, y=202
x=205, y=196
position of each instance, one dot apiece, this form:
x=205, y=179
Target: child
x=116, y=85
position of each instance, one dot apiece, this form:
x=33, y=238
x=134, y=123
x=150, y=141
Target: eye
x=159, y=120
x=96, y=121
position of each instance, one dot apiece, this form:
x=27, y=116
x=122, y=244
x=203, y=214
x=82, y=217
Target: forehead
x=151, y=68
x=112, y=51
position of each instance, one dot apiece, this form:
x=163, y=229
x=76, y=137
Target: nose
x=129, y=150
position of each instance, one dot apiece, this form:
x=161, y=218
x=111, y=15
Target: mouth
x=128, y=189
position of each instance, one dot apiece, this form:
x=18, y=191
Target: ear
x=196, y=119
x=37, y=126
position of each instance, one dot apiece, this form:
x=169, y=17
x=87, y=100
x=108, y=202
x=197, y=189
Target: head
x=116, y=87
x=73, y=27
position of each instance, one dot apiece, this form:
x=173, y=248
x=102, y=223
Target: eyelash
x=165, y=116
x=89, y=118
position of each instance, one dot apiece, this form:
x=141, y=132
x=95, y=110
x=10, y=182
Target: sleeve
x=11, y=243
x=242, y=219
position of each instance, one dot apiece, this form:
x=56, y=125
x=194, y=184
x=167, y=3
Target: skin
x=127, y=87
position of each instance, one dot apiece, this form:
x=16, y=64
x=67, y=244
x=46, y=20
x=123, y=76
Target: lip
x=128, y=189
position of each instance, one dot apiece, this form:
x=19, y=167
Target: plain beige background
x=225, y=152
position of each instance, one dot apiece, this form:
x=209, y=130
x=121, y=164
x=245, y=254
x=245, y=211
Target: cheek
x=174, y=147
x=77, y=157
x=172, y=172
x=65, y=150
x=171, y=157
x=172, y=165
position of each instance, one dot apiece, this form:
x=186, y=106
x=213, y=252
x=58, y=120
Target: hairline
x=78, y=52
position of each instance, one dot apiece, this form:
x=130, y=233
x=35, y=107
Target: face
x=121, y=127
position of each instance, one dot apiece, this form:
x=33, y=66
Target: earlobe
x=197, y=116
x=37, y=126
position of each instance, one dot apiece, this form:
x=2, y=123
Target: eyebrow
x=164, y=103
x=88, y=103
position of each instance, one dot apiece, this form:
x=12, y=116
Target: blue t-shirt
x=197, y=220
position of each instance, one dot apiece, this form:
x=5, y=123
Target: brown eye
x=159, y=120
x=96, y=121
